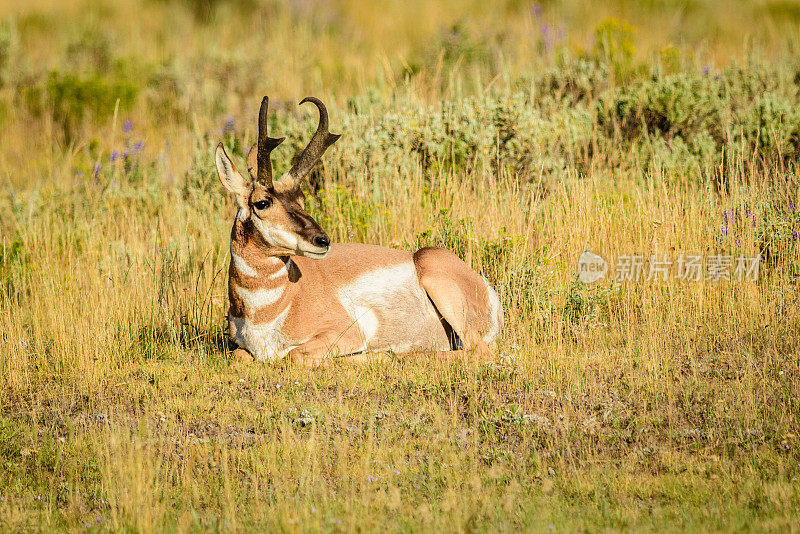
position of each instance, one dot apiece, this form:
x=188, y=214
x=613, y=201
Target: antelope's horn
x=317, y=146
x=260, y=167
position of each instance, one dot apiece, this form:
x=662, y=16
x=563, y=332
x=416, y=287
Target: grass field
x=518, y=135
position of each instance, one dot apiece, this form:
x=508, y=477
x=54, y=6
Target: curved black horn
x=317, y=146
x=263, y=171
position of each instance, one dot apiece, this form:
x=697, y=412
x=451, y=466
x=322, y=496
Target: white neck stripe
x=242, y=266
x=260, y=297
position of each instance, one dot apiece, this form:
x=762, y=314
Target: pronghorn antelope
x=293, y=293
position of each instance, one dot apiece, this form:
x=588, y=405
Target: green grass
x=513, y=136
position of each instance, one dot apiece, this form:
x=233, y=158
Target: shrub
x=504, y=132
x=445, y=233
x=585, y=303
x=778, y=237
x=689, y=122
x=771, y=125
x=9, y=53
x=614, y=46
x=14, y=262
x=681, y=105
x=91, y=52
x=570, y=82
x=204, y=11
x=72, y=99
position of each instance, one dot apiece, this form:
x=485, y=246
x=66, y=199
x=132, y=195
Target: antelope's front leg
x=240, y=355
x=320, y=351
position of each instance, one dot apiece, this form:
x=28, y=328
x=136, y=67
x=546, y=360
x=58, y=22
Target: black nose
x=322, y=241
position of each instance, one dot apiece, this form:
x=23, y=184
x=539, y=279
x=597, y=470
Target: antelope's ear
x=231, y=179
x=252, y=162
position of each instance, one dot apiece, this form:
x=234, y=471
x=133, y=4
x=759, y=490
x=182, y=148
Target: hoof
x=241, y=356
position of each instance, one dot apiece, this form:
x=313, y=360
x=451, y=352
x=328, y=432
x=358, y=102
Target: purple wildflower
x=96, y=170
x=372, y=479
x=791, y=206
x=547, y=33
x=536, y=9
x=794, y=234
x=137, y=147
x=725, y=216
x=724, y=229
x=127, y=126
x=705, y=70
x=114, y=155
x=738, y=241
x=229, y=126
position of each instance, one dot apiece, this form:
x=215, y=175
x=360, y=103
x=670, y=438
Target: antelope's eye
x=262, y=204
